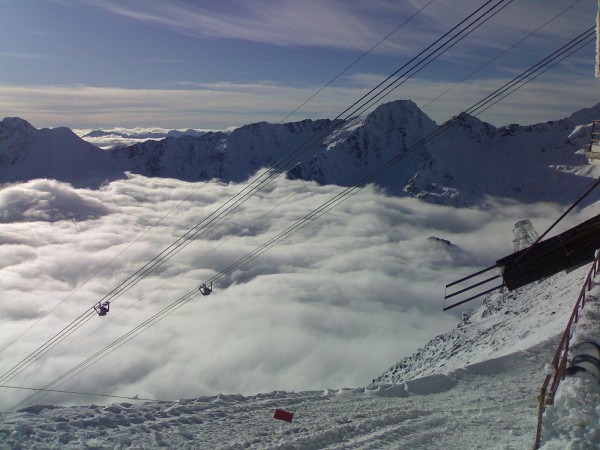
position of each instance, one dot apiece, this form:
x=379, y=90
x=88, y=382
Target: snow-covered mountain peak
x=469, y=158
x=16, y=137
x=398, y=116
x=586, y=115
x=468, y=126
x=295, y=128
x=62, y=132
x=396, y=108
x=14, y=124
x=27, y=153
x=466, y=121
x=15, y=131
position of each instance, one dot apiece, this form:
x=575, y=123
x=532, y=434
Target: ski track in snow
x=350, y=419
x=489, y=403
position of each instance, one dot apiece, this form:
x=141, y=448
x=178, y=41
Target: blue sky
x=222, y=63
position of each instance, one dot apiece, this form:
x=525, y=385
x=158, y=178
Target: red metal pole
x=541, y=408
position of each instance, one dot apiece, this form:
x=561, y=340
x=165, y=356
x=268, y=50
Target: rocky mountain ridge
x=470, y=160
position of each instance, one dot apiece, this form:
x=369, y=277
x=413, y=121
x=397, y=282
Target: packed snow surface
x=476, y=411
x=467, y=398
x=507, y=322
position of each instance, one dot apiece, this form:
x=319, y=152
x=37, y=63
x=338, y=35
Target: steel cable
x=335, y=201
x=270, y=174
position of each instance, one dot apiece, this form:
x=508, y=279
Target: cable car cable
x=447, y=33
x=505, y=51
x=268, y=176
x=424, y=63
x=183, y=201
x=318, y=212
x=91, y=394
x=357, y=60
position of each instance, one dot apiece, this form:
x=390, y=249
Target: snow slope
x=474, y=387
x=347, y=418
x=505, y=323
x=27, y=153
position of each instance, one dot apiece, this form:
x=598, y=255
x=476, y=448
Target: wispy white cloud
x=218, y=105
x=119, y=136
x=351, y=25
x=309, y=23
x=222, y=105
x=48, y=201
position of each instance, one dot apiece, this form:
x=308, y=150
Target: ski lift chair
x=102, y=308
x=205, y=289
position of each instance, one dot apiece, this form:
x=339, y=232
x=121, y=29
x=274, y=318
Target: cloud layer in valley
x=335, y=305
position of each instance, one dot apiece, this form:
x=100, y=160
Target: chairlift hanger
x=206, y=288
x=102, y=308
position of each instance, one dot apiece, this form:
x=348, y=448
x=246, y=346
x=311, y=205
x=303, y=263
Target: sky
x=333, y=306
x=223, y=63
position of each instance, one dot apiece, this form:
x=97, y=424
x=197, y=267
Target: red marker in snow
x=280, y=414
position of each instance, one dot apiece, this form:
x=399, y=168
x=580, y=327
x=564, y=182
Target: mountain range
x=469, y=158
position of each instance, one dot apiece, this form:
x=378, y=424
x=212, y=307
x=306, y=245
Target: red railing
x=559, y=362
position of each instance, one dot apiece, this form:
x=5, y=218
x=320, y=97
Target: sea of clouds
x=333, y=306
x=118, y=137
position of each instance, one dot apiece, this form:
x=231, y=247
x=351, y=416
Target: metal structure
x=597, y=71
x=471, y=287
x=593, y=150
x=595, y=137
x=524, y=235
x=566, y=251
